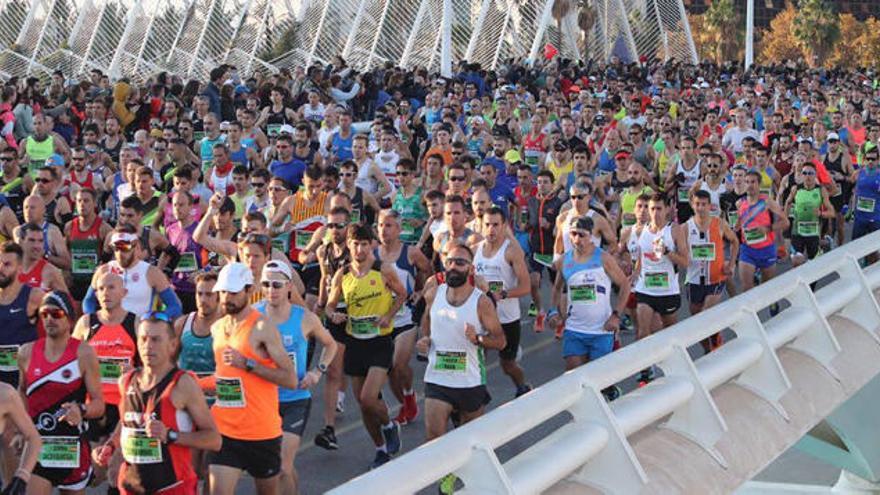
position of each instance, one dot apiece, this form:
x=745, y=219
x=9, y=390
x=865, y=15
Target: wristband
x=82, y=410
x=250, y=364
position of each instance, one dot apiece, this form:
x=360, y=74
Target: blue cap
x=55, y=160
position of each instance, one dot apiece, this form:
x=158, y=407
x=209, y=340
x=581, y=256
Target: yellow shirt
x=561, y=173
x=367, y=299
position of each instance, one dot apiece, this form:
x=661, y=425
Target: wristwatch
x=172, y=436
x=250, y=364
x=503, y=293
x=322, y=368
x=480, y=340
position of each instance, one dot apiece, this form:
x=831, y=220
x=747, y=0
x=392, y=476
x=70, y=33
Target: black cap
x=560, y=145
x=60, y=300
x=581, y=223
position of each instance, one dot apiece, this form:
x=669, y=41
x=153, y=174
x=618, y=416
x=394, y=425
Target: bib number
x=9, y=358
x=450, y=361
x=755, y=236
x=657, y=280
x=60, y=452
x=272, y=129
x=187, y=263
x=703, y=252
x=111, y=368
x=138, y=448
x=496, y=286
x=544, y=259
x=865, y=205
x=584, y=294
x=364, y=327
x=230, y=392
x=355, y=215
x=808, y=229
x=628, y=220
x=84, y=263
x=302, y=238
x=683, y=195
x=732, y=218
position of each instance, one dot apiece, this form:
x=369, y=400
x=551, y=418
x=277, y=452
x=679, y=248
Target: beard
x=233, y=309
x=5, y=281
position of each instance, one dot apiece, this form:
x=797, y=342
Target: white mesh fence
x=136, y=38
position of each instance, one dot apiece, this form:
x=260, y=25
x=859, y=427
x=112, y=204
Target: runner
x=412, y=268
x=250, y=364
x=867, y=189
x=36, y=271
x=683, y=176
x=54, y=245
x=759, y=218
x=190, y=255
x=85, y=236
x=297, y=326
x=580, y=193
x=456, y=228
x=58, y=372
x=806, y=205
x=18, y=311
x=662, y=248
x=708, y=266
x=373, y=294
x=164, y=416
x=460, y=325
x=837, y=162
x=590, y=323
x=501, y=262
x=14, y=417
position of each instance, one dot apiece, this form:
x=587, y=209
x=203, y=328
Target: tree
x=846, y=48
x=724, y=30
x=778, y=43
x=868, y=45
x=816, y=29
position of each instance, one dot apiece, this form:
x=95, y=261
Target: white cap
x=275, y=266
x=833, y=136
x=234, y=277
x=286, y=129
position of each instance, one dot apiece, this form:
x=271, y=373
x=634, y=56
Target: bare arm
x=14, y=410
x=283, y=374
x=495, y=338
x=392, y=281
x=190, y=397
x=679, y=255
x=517, y=259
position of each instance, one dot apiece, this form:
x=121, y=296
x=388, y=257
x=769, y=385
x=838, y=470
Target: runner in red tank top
x=36, y=271
x=164, y=415
x=57, y=372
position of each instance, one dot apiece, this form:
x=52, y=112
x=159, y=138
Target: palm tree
x=816, y=28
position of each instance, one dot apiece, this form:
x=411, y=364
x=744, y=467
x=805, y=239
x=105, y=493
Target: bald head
x=110, y=288
x=34, y=209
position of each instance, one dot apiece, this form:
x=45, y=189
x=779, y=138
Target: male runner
x=373, y=294
x=14, y=414
x=866, y=218
x=663, y=251
x=85, y=236
x=502, y=263
x=57, y=373
x=708, y=268
x=543, y=209
x=164, y=416
x=250, y=366
x=806, y=205
x=18, y=312
x=412, y=267
x=589, y=273
x=36, y=271
x=759, y=217
x=297, y=326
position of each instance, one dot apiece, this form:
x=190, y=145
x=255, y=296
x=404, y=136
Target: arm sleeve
x=171, y=302
x=90, y=303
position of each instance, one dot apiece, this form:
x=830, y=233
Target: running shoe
x=539, y=322
x=391, y=435
x=559, y=329
x=533, y=311
x=340, y=403
x=326, y=439
x=381, y=458
x=412, y=407
x=523, y=389
x=447, y=484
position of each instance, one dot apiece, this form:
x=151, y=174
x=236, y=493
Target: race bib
x=496, y=286
x=683, y=195
x=302, y=238
x=703, y=252
x=628, y=220
x=9, y=358
x=755, y=236
x=292, y=356
x=111, y=368
x=198, y=135
x=272, y=129
x=450, y=361
x=732, y=217
x=138, y=448
x=657, y=280
x=84, y=263
x=808, y=229
x=278, y=243
x=544, y=259
x=766, y=192
x=364, y=327
x=60, y=452
x=865, y=205
x=584, y=294
x=355, y=215
x=230, y=392
x=187, y=263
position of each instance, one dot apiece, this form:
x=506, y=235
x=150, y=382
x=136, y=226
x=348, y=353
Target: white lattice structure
x=136, y=38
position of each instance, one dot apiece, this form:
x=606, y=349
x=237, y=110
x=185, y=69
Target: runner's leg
x=335, y=383
x=289, y=479
x=401, y=379
x=436, y=417
x=223, y=479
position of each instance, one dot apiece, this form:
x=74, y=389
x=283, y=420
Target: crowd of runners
x=182, y=262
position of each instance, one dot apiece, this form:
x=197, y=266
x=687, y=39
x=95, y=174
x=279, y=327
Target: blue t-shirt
x=290, y=172
x=502, y=196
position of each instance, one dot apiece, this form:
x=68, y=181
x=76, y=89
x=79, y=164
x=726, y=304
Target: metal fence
x=596, y=441
x=135, y=38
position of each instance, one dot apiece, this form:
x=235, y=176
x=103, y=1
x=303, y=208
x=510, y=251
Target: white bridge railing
x=595, y=442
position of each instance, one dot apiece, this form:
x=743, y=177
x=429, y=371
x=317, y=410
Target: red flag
x=550, y=51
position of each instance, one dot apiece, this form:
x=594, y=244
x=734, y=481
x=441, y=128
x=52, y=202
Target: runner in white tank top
x=139, y=298
x=453, y=360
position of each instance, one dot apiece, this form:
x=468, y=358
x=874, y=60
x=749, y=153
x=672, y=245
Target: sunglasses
x=346, y=174
x=278, y=189
x=282, y=147
x=123, y=246
x=77, y=158
x=273, y=284
x=457, y=262
x=403, y=173
x=456, y=178
x=578, y=196
x=157, y=316
x=54, y=313
x=42, y=181
x=337, y=225
x=457, y=153
x=805, y=172
x=258, y=184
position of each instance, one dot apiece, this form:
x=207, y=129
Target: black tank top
x=277, y=118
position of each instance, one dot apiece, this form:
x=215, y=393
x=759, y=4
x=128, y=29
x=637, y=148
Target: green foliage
x=816, y=28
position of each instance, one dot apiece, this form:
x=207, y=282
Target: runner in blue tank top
x=18, y=312
x=286, y=309
x=867, y=212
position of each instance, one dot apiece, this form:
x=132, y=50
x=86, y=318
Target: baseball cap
x=805, y=139
x=55, y=160
x=560, y=145
x=512, y=156
x=60, y=300
x=275, y=266
x=621, y=154
x=234, y=277
x=286, y=129
x=833, y=136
